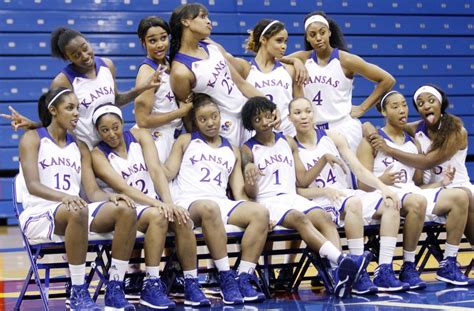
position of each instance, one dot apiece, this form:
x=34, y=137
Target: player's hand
x=276, y=120
x=116, y=197
x=378, y=143
x=334, y=195
x=181, y=214
x=301, y=73
x=448, y=176
x=187, y=104
x=332, y=160
x=391, y=178
x=18, y=121
x=251, y=174
x=391, y=199
x=167, y=210
x=357, y=112
x=73, y=202
x=153, y=81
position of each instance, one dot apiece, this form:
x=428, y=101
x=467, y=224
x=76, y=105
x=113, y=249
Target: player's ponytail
x=49, y=99
x=265, y=28
x=336, y=40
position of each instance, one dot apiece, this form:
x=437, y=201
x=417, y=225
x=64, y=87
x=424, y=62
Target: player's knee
x=157, y=218
x=80, y=216
x=353, y=207
x=460, y=199
x=209, y=210
x=416, y=206
x=260, y=214
x=124, y=212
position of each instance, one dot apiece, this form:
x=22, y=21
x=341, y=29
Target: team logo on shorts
x=156, y=135
x=226, y=125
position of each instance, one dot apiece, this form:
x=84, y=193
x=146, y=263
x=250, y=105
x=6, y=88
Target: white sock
x=356, y=246
x=152, y=272
x=78, y=272
x=117, y=270
x=387, y=248
x=409, y=256
x=450, y=250
x=192, y=274
x=222, y=264
x=329, y=251
x=246, y=266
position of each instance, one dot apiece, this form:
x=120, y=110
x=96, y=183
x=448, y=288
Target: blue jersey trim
x=385, y=136
x=71, y=74
x=43, y=133
x=334, y=55
x=188, y=60
x=107, y=150
x=224, y=141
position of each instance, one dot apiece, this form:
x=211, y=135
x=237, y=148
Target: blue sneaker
x=80, y=299
x=449, y=272
x=386, y=281
x=154, y=296
x=193, y=295
x=250, y=287
x=115, y=297
x=364, y=286
x=409, y=274
x=344, y=276
x=230, y=288
x=361, y=262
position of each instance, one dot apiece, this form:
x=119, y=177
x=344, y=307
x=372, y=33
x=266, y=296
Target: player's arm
x=251, y=172
x=173, y=163
x=297, y=87
x=365, y=154
x=301, y=73
x=247, y=89
x=311, y=192
x=182, y=81
x=236, y=179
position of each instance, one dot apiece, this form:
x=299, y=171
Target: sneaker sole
x=418, y=286
x=115, y=309
x=393, y=289
x=347, y=271
x=197, y=304
x=239, y=302
x=149, y=305
x=443, y=279
x=365, y=292
x=254, y=299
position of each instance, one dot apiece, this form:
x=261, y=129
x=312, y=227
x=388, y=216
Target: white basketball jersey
x=277, y=164
x=382, y=160
x=329, y=176
x=458, y=161
x=204, y=170
x=277, y=85
x=91, y=93
x=164, y=100
x=328, y=88
x=133, y=168
x=59, y=168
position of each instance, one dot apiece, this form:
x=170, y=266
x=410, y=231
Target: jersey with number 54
x=328, y=88
x=277, y=165
x=204, y=170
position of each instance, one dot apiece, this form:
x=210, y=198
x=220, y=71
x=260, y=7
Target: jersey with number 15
x=277, y=165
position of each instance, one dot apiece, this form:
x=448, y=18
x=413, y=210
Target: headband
x=428, y=89
x=57, y=96
x=104, y=109
x=385, y=97
x=268, y=27
x=314, y=19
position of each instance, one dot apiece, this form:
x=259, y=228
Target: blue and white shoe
x=449, y=272
x=344, y=276
x=193, y=295
x=115, y=297
x=409, y=274
x=386, y=281
x=80, y=299
x=154, y=296
x=250, y=287
x=364, y=285
x=230, y=291
x=361, y=262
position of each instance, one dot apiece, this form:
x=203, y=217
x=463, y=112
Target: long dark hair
x=253, y=41
x=60, y=37
x=148, y=22
x=449, y=126
x=336, y=40
x=184, y=11
x=253, y=107
x=44, y=100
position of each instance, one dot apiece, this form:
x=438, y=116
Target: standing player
x=271, y=175
x=53, y=167
x=202, y=165
x=156, y=109
x=129, y=163
x=331, y=71
x=200, y=67
x=91, y=78
x=450, y=204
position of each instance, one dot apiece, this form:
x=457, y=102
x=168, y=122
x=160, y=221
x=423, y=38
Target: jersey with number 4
x=59, y=168
x=132, y=168
x=382, y=160
x=204, y=170
x=277, y=165
x=328, y=88
x=329, y=176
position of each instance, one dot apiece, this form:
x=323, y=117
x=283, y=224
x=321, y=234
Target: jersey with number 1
x=277, y=165
x=329, y=176
x=59, y=168
x=133, y=168
x=382, y=160
x=204, y=170
x=328, y=88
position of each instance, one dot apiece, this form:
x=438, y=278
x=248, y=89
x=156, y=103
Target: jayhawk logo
x=156, y=135
x=226, y=125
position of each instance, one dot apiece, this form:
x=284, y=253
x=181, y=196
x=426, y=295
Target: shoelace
x=116, y=291
x=364, y=277
x=410, y=270
x=229, y=282
x=157, y=286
